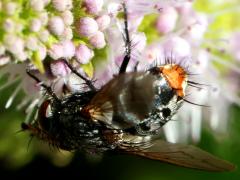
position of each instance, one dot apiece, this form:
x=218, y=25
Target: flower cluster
x=32, y=30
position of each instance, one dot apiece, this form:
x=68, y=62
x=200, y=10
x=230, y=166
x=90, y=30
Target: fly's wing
x=131, y=93
x=184, y=155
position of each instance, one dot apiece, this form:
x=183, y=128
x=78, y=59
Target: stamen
x=226, y=63
x=10, y=81
x=10, y=100
x=23, y=103
x=32, y=105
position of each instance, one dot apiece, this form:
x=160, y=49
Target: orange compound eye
x=176, y=77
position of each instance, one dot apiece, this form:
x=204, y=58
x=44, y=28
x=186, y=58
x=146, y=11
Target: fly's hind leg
x=87, y=81
x=46, y=87
x=127, y=40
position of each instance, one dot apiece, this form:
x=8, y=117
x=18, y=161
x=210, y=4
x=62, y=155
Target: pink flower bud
x=56, y=25
x=19, y=27
x=32, y=43
x=83, y=54
x=114, y=8
x=14, y=44
x=37, y=5
x=93, y=6
x=43, y=17
x=59, y=68
x=68, y=49
x=35, y=25
x=67, y=17
x=9, y=25
x=87, y=26
x=21, y=56
x=43, y=36
x=46, y=2
x=62, y=5
x=67, y=34
x=97, y=40
x=42, y=52
x=10, y=8
x=167, y=20
x=103, y=21
x=56, y=51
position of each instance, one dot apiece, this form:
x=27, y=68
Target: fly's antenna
x=46, y=87
x=127, y=40
x=87, y=81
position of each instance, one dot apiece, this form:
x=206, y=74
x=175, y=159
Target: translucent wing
x=184, y=155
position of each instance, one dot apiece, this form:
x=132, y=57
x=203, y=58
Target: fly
x=122, y=116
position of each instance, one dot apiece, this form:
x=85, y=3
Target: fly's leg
x=87, y=81
x=47, y=88
x=127, y=40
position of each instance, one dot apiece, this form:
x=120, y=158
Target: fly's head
x=63, y=124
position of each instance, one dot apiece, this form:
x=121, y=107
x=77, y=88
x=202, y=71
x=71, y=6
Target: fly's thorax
x=169, y=89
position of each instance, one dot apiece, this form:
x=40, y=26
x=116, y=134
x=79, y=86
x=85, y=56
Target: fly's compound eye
x=166, y=112
x=43, y=115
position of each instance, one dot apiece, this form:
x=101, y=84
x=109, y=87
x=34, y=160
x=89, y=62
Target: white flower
x=177, y=46
x=235, y=45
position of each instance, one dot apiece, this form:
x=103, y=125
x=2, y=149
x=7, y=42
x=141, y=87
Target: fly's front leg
x=127, y=40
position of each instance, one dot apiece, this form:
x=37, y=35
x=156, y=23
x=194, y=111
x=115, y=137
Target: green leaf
x=148, y=27
x=88, y=68
x=37, y=61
